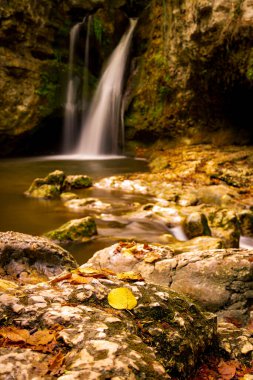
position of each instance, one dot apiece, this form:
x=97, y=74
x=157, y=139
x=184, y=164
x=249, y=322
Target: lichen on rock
x=74, y=230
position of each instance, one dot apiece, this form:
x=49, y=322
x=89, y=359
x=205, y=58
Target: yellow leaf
x=122, y=298
x=5, y=285
x=130, y=276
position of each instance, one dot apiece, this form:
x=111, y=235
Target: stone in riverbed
x=77, y=182
x=87, y=204
x=196, y=224
x=29, y=259
x=49, y=187
x=74, y=230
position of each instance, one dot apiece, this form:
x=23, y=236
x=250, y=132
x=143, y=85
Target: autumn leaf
x=130, y=276
x=93, y=272
x=61, y=277
x=41, y=337
x=14, y=335
x=55, y=365
x=152, y=257
x=76, y=279
x=5, y=285
x=227, y=369
x=122, y=298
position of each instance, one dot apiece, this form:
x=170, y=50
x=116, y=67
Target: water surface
x=36, y=217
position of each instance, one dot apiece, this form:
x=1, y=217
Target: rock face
x=72, y=332
x=194, y=71
x=219, y=280
x=27, y=259
x=34, y=59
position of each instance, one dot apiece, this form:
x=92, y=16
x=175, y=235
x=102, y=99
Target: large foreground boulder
x=220, y=280
x=27, y=258
x=72, y=330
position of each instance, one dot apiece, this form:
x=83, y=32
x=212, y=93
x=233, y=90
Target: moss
x=77, y=182
x=44, y=191
x=75, y=230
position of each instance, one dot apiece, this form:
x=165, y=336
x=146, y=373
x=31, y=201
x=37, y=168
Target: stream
x=36, y=217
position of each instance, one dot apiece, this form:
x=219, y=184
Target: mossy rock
x=196, y=224
x=49, y=187
x=44, y=191
x=75, y=230
x=77, y=182
x=56, y=177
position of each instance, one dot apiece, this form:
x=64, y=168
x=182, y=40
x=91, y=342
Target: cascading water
x=101, y=128
x=70, y=117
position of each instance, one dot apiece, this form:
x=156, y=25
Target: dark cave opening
x=238, y=110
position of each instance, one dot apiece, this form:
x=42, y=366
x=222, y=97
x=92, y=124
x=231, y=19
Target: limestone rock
x=74, y=230
x=220, y=280
x=87, y=204
x=25, y=258
x=161, y=338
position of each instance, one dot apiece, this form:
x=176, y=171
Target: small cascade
x=70, y=116
x=102, y=126
x=85, y=92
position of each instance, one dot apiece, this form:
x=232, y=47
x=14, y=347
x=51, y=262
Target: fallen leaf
x=41, y=338
x=93, y=272
x=227, y=369
x=152, y=257
x=76, y=279
x=122, y=298
x=14, y=335
x=130, y=276
x=55, y=365
x=61, y=277
x=5, y=285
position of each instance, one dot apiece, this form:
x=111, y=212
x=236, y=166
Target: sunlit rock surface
x=73, y=333
x=31, y=259
x=220, y=280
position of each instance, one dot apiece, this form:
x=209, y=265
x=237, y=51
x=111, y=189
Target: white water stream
x=100, y=131
x=70, y=117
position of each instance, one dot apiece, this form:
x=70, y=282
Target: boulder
x=28, y=259
x=69, y=328
x=74, y=230
x=77, y=182
x=49, y=187
x=86, y=204
x=220, y=280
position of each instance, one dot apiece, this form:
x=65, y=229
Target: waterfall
x=70, y=116
x=101, y=128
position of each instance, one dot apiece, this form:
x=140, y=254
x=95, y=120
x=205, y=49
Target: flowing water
x=100, y=132
x=36, y=217
x=70, y=116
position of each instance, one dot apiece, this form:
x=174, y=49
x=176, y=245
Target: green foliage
x=98, y=29
x=249, y=73
x=50, y=84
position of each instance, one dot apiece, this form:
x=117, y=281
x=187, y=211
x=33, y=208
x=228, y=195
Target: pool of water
x=36, y=217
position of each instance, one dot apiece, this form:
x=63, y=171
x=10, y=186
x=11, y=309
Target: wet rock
x=196, y=224
x=74, y=230
x=162, y=337
x=225, y=225
x=219, y=280
x=56, y=183
x=87, y=204
x=77, y=182
x=27, y=259
x=246, y=223
x=48, y=187
x=67, y=196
